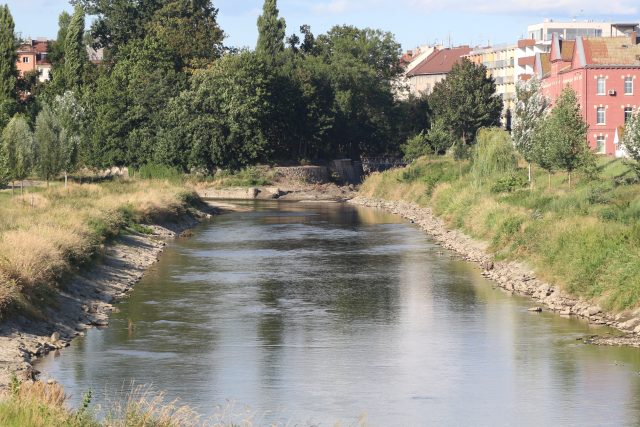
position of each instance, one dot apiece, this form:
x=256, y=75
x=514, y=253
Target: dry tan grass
x=43, y=232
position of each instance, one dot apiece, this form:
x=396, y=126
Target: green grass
x=249, y=177
x=586, y=239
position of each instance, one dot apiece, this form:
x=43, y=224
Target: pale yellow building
x=501, y=65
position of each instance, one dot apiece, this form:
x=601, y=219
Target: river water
x=312, y=314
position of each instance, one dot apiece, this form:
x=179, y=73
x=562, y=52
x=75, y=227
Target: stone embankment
x=86, y=299
x=514, y=276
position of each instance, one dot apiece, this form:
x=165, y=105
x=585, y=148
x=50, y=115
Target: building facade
x=421, y=78
x=32, y=56
x=501, y=65
x=603, y=71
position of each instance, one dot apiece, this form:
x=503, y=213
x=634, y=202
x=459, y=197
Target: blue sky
x=413, y=22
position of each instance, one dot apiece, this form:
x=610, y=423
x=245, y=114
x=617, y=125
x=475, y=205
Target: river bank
x=69, y=254
x=514, y=276
x=86, y=299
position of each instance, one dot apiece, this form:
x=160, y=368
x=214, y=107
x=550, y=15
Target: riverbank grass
x=46, y=233
x=585, y=238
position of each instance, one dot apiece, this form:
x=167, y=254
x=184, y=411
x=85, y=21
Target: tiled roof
x=440, y=61
x=545, y=63
x=566, y=49
x=611, y=51
x=526, y=42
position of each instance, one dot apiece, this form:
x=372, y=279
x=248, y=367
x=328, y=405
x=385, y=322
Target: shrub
x=415, y=147
x=158, y=171
x=494, y=154
x=509, y=183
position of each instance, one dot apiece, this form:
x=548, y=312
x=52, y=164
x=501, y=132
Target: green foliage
x=190, y=31
x=466, y=100
x=248, y=177
x=49, y=148
x=440, y=138
x=75, y=53
x=8, y=54
x=494, y=154
x=568, y=131
x=415, y=147
x=530, y=108
x=17, y=148
x=508, y=183
x=159, y=171
x=271, y=30
x=631, y=140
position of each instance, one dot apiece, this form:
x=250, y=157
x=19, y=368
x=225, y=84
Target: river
x=312, y=314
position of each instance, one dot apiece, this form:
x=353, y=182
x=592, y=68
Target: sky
x=414, y=22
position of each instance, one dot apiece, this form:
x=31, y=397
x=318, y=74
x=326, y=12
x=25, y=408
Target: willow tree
x=271, y=29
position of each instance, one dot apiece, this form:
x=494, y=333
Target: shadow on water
x=315, y=313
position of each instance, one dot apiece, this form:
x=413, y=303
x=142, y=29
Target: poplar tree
x=271, y=30
x=531, y=106
x=17, y=147
x=8, y=70
x=47, y=137
x=74, y=50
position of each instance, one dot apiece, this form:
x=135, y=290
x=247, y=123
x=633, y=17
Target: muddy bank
x=86, y=299
x=515, y=276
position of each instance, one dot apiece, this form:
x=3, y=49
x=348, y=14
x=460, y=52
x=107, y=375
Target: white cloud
x=565, y=7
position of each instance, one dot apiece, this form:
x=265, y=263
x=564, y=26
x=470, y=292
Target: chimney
x=634, y=37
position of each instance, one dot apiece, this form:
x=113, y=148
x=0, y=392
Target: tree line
x=170, y=92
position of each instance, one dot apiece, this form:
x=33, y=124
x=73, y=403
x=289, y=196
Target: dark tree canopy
x=75, y=53
x=466, y=100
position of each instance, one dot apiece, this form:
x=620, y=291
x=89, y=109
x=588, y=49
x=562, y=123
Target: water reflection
x=318, y=313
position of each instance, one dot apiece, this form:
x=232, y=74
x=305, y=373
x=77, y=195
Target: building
x=423, y=74
x=545, y=31
x=500, y=62
x=604, y=73
x=540, y=37
x=32, y=56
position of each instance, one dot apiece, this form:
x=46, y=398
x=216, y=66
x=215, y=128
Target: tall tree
x=466, y=100
x=8, y=71
x=531, y=106
x=47, y=137
x=271, y=29
x=190, y=30
x=17, y=145
x=75, y=59
x=568, y=131
x=631, y=140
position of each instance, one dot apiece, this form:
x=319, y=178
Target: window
x=628, y=111
x=600, y=116
x=600, y=145
x=628, y=85
x=601, y=86
x=25, y=59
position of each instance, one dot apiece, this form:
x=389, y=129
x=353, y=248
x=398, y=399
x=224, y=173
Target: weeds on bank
x=587, y=238
x=44, y=234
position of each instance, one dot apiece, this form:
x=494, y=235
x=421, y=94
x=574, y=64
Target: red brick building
x=604, y=73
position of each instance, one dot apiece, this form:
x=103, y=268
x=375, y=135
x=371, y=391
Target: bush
x=158, y=171
x=415, y=147
x=251, y=176
x=509, y=183
x=494, y=154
